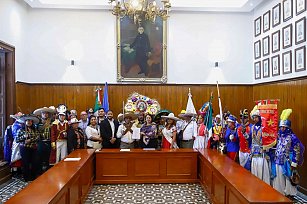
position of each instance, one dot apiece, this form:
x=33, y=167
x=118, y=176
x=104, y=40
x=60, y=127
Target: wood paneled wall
x=292, y=94
x=172, y=97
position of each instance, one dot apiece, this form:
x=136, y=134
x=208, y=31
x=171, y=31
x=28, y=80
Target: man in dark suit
x=108, y=130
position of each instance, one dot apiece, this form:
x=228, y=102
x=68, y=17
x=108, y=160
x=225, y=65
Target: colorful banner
x=269, y=116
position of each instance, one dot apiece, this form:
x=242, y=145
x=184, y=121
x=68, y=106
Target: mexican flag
x=98, y=99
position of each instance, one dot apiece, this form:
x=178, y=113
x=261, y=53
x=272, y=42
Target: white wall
x=195, y=42
x=268, y=5
x=13, y=28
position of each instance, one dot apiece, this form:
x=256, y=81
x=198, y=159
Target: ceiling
x=177, y=5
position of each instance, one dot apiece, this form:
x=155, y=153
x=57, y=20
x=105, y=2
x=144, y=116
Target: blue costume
x=232, y=139
x=288, y=155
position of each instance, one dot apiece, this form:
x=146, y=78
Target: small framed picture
x=300, y=6
x=266, y=68
x=257, y=49
x=287, y=62
x=300, y=60
x=287, y=36
x=300, y=31
x=275, y=41
x=257, y=70
x=287, y=9
x=266, y=21
x=276, y=15
x=257, y=26
x=266, y=46
x=275, y=65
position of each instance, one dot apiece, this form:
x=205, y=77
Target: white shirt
x=127, y=138
x=92, y=132
x=112, y=127
x=190, y=130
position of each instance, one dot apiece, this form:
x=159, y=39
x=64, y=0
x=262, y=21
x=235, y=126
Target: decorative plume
x=285, y=114
x=254, y=110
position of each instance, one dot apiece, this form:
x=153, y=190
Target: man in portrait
x=141, y=45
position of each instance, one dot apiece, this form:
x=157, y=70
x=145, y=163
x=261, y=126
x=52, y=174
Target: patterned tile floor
x=148, y=193
x=133, y=193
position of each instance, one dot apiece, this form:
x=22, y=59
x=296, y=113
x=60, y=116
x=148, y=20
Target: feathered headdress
x=255, y=112
x=284, y=121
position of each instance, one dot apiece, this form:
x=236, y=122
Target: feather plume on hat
x=285, y=114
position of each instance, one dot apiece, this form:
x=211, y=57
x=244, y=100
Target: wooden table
x=66, y=182
x=141, y=166
x=228, y=182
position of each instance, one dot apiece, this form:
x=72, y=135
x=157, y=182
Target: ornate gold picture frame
x=141, y=50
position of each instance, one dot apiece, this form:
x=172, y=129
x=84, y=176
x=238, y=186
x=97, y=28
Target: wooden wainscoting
x=172, y=97
x=292, y=94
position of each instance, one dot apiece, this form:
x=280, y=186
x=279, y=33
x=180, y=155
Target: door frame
x=10, y=92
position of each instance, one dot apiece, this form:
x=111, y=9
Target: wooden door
x=2, y=100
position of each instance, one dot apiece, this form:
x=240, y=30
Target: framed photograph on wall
x=287, y=36
x=257, y=70
x=266, y=21
x=141, y=50
x=266, y=68
x=275, y=65
x=300, y=6
x=287, y=62
x=275, y=41
x=257, y=49
x=257, y=26
x=300, y=60
x=287, y=9
x=300, y=31
x=276, y=15
x=266, y=46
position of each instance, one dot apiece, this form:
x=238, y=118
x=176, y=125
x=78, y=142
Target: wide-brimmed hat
x=132, y=115
x=16, y=116
x=39, y=111
x=74, y=120
x=161, y=113
x=170, y=116
x=184, y=114
x=32, y=117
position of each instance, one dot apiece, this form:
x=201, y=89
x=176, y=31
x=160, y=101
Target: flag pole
x=220, y=103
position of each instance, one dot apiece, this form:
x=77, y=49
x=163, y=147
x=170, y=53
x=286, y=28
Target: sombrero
x=44, y=109
x=74, y=120
x=128, y=114
x=170, y=116
x=16, y=116
x=161, y=113
x=183, y=114
x=32, y=117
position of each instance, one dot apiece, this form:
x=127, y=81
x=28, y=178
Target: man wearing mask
x=108, y=130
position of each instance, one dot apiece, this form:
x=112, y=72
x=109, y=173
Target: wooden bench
x=227, y=182
x=66, y=182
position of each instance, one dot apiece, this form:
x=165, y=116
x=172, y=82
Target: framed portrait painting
x=266, y=68
x=141, y=50
x=276, y=15
x=300, y=31
x=287, y=9
x=257, y=49
x=266, y=21
x=275, y=41
x=300, y=6
x=275, y=65
x=300, y=60
x=287, y=62
x=287, y=36
x=266, y=46
x=257, y=26
x=257, y=67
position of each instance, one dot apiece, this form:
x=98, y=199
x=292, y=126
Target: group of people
x=49, y=134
